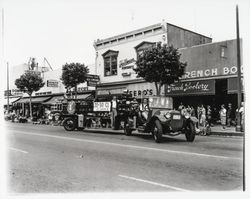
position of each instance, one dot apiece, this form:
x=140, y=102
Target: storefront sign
x=111, y=91
x=192, y=87
x=91, y=83
x=13, y=93
x=33, y=71
x=143, y=89
x=211, y=72
x=102, y=106
x=52, y=83
x=43, y=93
x=81, y=89
x=93, y=78
x=125, y=62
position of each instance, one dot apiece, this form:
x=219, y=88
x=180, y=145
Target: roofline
x=190, y=31
x=99, y=41
x=206, y=44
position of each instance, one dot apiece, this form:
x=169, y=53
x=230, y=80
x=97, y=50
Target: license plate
x=176, y=117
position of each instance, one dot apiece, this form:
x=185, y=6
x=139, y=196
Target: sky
x=65, y=30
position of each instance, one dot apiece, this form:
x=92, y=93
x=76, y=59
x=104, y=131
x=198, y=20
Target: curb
x=227, y=134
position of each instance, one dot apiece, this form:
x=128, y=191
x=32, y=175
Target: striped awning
x=33, y=100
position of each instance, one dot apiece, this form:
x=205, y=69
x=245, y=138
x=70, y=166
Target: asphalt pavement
x=47, y=159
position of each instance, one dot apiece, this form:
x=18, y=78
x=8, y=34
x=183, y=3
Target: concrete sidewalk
x=228, y=131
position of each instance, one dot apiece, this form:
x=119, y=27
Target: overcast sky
x=64, y=30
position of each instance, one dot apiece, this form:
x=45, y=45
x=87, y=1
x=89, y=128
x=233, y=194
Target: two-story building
x=210, y=76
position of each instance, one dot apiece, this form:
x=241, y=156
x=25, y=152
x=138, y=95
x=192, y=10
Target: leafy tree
x=74, y=74
x=28, y=83
x=161, y=65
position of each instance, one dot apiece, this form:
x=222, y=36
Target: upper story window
x=110, y=62
x=223, y=51
x=144, y=46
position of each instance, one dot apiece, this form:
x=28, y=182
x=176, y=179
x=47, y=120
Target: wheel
x=157, y=131
x=69, y=124
x=190, y=132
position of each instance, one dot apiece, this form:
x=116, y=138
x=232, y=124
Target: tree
x=28, y=83
x=161, y=65
x=74, y=74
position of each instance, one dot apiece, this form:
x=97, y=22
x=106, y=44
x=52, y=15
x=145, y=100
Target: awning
x=33, y=100
x=84, y=96
x=11, y=100
x=232, y=85
x=55, y=100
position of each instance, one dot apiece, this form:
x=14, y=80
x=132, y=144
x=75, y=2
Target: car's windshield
x=161, y=102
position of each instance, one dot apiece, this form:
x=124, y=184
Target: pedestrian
x=223, y=114
x=202, y=116
x=229, y=115
x=209, y=115
x=114, y=112
x=242, y=116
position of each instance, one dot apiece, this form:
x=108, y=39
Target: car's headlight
x=168, y=115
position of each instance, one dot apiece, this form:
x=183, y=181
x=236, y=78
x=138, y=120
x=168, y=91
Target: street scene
x=110, y=98
x=48, y=159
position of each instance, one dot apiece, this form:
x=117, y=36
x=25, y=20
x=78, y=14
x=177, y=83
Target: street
x=47, y=159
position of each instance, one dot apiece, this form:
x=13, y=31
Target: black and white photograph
x=138, y=99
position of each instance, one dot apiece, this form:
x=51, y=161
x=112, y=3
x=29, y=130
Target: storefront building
x=116, y=56
x=50, y=96
x=210, y=77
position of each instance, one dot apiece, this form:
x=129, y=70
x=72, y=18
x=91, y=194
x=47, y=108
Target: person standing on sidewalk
x=229, y=115
x=223, y=115
x=114, y=112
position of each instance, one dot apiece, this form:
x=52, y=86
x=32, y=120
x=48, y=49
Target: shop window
x=110, y=62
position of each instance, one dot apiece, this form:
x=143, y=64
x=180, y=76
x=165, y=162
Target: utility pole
x=8, y=89
x=238, y=125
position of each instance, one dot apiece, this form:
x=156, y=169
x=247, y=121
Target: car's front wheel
x=157, y=131
x=190, y=132
x=69, y=124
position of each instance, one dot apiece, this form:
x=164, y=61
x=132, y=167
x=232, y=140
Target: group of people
x=227, y=116
x=204, y=114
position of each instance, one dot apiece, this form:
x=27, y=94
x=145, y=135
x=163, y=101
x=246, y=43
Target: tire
x=190, y=132
x=157, y=131
x=69, y=124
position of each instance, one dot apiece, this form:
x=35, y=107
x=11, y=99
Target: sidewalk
x=229, y=131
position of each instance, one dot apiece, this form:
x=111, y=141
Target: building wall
x=126, y=51
x=213, y=60
x=179, y=37
x=125, y=44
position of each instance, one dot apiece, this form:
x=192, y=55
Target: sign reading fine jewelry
x=192, y=88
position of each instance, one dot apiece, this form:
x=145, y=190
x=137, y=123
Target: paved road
x=46, y=159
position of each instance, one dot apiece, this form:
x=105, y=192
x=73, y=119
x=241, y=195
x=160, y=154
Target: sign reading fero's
x=206, y=87
x=102, y=106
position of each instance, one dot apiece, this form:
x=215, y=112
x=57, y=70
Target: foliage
x=161, y=65
x=74, y=74
x=29, y=82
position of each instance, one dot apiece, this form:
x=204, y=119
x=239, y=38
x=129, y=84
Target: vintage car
x=162, y=119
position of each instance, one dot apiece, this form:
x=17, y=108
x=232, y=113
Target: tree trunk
x=76, y=92
x=157, y=90
x=31, y=114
